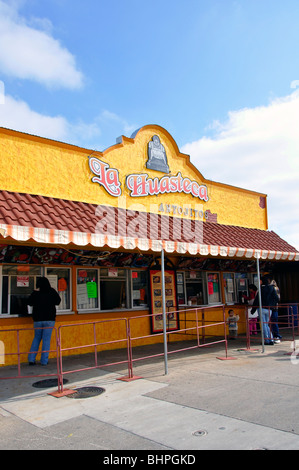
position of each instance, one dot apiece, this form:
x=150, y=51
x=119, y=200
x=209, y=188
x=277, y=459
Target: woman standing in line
x=274, y=317
x=269, y=300
x=43, y=301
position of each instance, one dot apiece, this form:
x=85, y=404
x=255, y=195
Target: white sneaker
x=276, y=340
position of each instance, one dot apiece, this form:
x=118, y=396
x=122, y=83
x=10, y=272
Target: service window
x=18, y=282
x=60, y=280
x=242, y=287
x=194, y=287
x=253, y=279
x=229, y=287
x=139, y=285
x=190, y=288
x=113, y=288
x=213, y=285
x=87, y=289
x=181, y=290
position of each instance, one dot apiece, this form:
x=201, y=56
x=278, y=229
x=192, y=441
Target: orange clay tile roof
x=46, y=212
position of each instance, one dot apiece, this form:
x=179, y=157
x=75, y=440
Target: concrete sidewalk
x=203, y=403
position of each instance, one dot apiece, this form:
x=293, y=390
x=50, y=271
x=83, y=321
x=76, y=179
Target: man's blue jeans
x=274, y=325
x=42, y=332
x=266, y=314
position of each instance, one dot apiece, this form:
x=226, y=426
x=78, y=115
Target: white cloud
x=17, y=115
x=30, y=53
x=258, y=149
x=107, y=116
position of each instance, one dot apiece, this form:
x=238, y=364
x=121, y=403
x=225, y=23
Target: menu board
x=172, y=320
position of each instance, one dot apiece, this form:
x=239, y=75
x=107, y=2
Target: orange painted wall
x=78, y=331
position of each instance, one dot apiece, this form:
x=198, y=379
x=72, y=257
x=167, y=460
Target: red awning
x=25, y=217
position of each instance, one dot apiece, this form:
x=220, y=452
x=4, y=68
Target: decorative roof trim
x=64, y=237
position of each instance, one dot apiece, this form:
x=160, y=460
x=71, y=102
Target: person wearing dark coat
x=43, y=301
x=274, y=317
x=269, y=299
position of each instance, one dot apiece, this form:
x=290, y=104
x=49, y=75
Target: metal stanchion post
x=164, y=312
x=260, y=303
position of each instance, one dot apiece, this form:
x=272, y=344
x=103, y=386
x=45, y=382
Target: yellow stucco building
x=95, y=223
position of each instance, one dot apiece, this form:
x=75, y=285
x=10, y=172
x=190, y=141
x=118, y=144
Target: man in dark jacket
x=44, y=301
x=269, y=299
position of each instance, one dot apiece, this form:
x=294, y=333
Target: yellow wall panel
x=39, y=166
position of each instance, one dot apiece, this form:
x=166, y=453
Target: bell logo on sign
x=157, y=159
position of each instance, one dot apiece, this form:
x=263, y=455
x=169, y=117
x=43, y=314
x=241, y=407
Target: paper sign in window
x=92, y=291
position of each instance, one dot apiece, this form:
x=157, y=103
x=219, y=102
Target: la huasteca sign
x=140, y=184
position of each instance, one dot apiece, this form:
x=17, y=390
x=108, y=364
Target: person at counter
x=269, y=299
x=43, y=301
x=274, y=317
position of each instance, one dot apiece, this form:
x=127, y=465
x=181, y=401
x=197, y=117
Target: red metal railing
x=129, y=339
x=198, y=331
x=19, y=353
x=95, y=344
x=196, y=326
x=286, y=321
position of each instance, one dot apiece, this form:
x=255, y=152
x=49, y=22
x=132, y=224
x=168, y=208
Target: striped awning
x=52, y=221
x=81, y=239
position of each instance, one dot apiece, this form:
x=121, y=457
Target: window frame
x=143, y=306
x=200, y=278
x=10, y=276
x=58, y=310
x=230, y=302
x=91, y=309
x=219, y=302
x=125, y=277
x=239, y=277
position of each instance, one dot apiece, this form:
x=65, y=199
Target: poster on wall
x=172, y=319
x=22, y=281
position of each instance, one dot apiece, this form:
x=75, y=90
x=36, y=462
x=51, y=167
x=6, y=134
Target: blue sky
x=222, y=76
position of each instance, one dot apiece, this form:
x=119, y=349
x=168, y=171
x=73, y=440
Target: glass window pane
x=18, y=282
x=21, y=270
x=139, y=288
x=113, y=288
x=194, y=292
x=190, y=288
x=242, y=287
x=229, y=287
x=4, y=294
x=113, y=294
x=180, y=278
x=60, y=280
x=193, y=275
x=20, y=289
x=113, y=272
x=87, y=293
x=214, y=295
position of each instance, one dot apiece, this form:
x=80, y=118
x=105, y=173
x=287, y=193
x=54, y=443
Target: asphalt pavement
x=207, y=400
